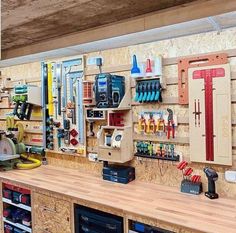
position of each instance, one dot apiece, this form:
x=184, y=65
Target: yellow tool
x=10, y=124
x=151, y=126
x=160, y=126
x=50, y=96
x=142, y=126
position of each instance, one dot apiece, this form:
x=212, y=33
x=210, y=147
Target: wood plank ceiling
x=26, y=22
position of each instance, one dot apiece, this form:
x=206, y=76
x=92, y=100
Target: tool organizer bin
x=120, y=154
x=137, y=227
x=90, y=220
x=17, y=215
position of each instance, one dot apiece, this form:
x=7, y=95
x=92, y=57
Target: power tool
x=212, y=176
x=109, y=90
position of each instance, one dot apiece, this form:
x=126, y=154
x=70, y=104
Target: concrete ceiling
x=26, y=22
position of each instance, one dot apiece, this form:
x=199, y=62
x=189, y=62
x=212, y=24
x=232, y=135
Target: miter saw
x=9, y=152
x=12, y=148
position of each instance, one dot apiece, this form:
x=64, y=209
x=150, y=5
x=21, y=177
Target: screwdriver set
x=148, y=91
x=162, y=151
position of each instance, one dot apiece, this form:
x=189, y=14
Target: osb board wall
x=30, y=74
x=148, y=170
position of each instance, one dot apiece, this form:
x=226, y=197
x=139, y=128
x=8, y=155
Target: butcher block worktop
x=147, y=200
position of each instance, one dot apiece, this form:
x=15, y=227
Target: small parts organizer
x=16, y=209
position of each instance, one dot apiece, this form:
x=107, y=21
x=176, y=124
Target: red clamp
x=170, y=125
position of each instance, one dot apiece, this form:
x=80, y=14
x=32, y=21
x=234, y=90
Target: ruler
x=208, y=75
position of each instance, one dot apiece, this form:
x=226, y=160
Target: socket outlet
x=93, y=157
x=230, y=176
x=91, y=61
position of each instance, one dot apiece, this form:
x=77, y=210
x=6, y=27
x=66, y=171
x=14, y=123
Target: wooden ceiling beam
x=183, y=13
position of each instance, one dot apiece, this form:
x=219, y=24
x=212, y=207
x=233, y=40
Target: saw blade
x=7, y=147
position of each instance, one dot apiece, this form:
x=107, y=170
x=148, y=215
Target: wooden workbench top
x=147, y=200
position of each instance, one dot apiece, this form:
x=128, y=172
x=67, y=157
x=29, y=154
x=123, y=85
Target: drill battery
x=109, y=90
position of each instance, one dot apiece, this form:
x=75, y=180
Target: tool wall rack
x=167, y=99
x=119, y=127
x=33, y=133
x=64, y=107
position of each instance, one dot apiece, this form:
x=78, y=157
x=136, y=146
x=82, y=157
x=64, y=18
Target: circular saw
x=8, y=149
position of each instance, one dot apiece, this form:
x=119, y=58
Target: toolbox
x=117, y=179
x=94, y=221
x=119, y=174
x=121, y=171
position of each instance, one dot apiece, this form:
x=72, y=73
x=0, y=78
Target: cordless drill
x=212, y=176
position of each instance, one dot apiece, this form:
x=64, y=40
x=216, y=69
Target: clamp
x=142, y=126
x=170, y=124
x=151, y=127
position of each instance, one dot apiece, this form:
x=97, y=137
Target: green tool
x=150, y=149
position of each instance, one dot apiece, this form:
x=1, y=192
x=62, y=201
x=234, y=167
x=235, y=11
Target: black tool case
x=119, y=174
x=94, y=221
x=121, y=171
x=117, y=179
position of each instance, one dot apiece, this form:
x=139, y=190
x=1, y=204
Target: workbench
x=148, y=203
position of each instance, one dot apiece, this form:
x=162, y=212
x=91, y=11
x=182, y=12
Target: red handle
x=182, y=165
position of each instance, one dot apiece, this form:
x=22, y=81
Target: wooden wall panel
x=149, y=170
x=55, y=214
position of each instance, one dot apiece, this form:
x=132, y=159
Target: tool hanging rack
x=167, y=100
x=64, y=130
x=25, y=85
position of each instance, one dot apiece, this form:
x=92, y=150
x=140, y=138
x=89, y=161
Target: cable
x=25, y=166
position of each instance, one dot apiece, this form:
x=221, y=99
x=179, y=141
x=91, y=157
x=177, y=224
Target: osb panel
x=23, y=72
x=75, y=162
x=55, y=214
